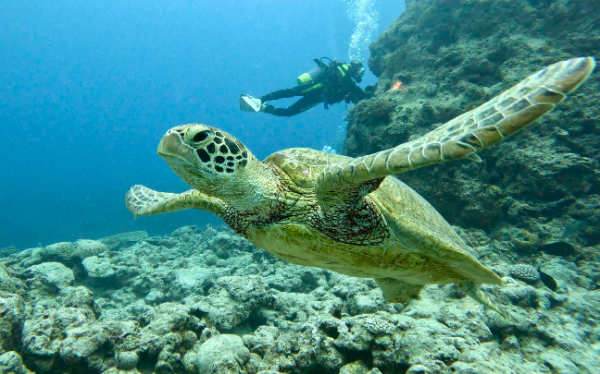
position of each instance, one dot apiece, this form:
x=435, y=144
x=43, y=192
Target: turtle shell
x=418, y=232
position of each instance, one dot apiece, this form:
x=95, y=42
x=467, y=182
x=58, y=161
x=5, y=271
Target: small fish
x=559, y=248
x=397, y=86
x=548, y=280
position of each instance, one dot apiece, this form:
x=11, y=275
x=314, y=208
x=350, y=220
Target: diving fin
x=249, y=103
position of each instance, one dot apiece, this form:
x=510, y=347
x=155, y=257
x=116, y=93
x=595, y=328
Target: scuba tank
x=318, y=72
x=310, y=76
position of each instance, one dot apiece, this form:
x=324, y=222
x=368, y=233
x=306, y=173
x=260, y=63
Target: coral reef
x=207, y=301
x=452, y=55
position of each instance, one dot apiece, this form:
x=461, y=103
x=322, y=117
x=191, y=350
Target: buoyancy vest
x=333, y=84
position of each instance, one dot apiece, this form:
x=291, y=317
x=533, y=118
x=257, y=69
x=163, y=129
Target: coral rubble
x=207, y=301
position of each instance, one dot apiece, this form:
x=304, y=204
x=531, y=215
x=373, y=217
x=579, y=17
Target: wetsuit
x=330, y=85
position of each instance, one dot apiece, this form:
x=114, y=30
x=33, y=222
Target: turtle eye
x=202, y=135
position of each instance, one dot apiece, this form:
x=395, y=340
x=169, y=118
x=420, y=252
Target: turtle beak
x=172, y=146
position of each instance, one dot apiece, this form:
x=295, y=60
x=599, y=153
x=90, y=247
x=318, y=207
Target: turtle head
x=208, y=159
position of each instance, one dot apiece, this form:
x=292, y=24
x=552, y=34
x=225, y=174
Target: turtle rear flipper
x=472, y=290
x=395, y=291
x=469, y=133
x=143, y=201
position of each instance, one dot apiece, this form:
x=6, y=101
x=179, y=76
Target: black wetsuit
x=333, y=83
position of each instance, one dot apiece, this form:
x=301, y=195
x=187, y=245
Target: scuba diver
x=328, y=83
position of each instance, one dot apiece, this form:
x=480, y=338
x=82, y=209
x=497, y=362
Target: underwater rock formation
x=208, y=302
x=442, y=58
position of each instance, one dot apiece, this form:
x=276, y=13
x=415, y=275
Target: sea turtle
x=350, y=215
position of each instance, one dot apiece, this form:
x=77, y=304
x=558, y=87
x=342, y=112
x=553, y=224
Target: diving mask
x=357, y=69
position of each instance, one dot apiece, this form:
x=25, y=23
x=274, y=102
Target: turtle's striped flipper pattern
x=469, y=133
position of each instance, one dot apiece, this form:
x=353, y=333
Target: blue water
x=87, y=89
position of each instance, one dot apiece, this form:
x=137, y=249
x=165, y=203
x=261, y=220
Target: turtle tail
x=472, y=290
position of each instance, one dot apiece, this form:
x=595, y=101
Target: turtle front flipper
x=469, y=133
x=142, y=201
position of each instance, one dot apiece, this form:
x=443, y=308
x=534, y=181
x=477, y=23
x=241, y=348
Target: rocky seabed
x=207, y=301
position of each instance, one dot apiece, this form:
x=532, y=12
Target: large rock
x=64, y=252
x=11, y=362
x=452, y=55
x=220, y=354
x=43, y=335
x=231, y=301
x=12, y=318
x=101, y=271
x=52, y=273
x=10, y=284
